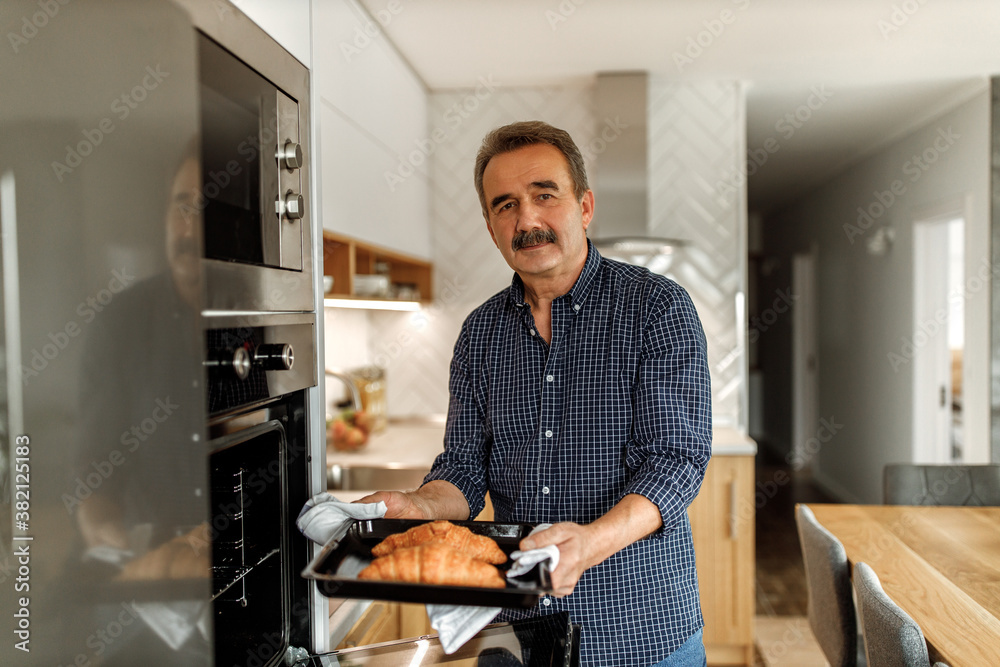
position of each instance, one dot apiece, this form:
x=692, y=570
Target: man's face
x=183, y=228
x=533, y=215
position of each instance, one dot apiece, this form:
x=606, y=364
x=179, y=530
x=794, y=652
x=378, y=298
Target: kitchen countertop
x=415, y=442
x=407, y=442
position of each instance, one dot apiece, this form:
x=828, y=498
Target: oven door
x=250, y=553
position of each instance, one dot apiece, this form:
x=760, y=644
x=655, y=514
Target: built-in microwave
x=255, y=181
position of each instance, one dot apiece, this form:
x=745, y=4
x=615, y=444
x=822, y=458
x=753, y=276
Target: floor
x=783, y=636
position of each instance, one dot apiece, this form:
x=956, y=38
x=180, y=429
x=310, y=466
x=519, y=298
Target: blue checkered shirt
x=619, y=402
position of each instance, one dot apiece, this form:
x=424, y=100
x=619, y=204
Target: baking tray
x=335, y=568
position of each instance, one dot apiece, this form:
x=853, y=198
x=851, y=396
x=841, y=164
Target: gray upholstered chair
x=892, y=638
x=828, y=580
x=914, y=484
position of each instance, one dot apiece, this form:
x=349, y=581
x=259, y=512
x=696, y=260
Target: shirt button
x=545, y=490
x=576, y=306
x=550, y=378
x=532, y=332
x=546, y=601
x=548, y=434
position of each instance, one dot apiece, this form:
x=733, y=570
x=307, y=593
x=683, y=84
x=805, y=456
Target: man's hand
x=575, y=543
x=434, y=500
x=582, y=547
x=398, y=504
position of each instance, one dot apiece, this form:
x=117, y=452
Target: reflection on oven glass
x=139, y=493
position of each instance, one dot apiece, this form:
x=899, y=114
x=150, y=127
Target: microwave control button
x=290, y=155
x=291, y=206
x=275, y=357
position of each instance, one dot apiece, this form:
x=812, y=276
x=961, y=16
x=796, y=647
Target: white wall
x=866, y=302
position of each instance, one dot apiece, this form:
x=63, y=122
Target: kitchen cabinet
x=372, y=142
x=344, y=257
x=722, y=522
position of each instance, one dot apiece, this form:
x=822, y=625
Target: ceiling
x=882, y=67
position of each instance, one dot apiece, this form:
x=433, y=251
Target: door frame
x=931, y=384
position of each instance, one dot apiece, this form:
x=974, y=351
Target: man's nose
x=528, y=217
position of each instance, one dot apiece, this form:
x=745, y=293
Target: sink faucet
x=355, y=394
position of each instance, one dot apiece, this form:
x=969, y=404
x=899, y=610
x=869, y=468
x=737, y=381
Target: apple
x=355, y=438
x=363, y=420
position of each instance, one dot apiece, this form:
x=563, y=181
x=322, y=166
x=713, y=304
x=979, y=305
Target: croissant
x=479, y=547
x=433, y=563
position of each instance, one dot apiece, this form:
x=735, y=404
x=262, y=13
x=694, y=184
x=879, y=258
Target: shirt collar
x=581, y=288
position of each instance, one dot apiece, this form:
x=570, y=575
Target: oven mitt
x=525, y=560
x=457, y=624
x=325, y=519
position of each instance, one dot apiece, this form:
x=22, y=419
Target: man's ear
x=587, y=204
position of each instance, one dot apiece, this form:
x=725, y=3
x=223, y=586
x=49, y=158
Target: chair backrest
x=828, y=580
x=892, y=638
x=914, y=484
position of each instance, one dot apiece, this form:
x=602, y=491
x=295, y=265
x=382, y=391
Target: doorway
x=938, y=336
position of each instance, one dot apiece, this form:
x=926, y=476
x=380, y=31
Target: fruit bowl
x=349, y=431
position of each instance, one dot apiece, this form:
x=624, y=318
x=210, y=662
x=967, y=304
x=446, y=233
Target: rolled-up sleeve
x=672, y=436
x=466, y=441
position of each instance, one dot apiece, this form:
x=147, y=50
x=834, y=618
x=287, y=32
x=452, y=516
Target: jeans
x=690, y=654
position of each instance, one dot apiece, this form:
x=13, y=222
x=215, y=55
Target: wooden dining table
x=940, y=564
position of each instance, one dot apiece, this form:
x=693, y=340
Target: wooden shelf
x=344, y=257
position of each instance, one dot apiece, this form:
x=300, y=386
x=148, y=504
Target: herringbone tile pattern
x=696, y=135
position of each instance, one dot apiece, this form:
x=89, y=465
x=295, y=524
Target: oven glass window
x=249, y=559
x=239, y=135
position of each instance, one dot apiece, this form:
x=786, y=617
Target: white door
x=805, y=387
x=937, y=339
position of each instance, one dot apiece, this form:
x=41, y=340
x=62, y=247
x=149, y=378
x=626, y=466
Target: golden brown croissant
x=434, y=563
x=475, y=546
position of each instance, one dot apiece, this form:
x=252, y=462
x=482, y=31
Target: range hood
x=621, y=227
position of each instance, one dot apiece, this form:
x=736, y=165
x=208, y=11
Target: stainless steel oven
x=259, y=373
x=260, y=340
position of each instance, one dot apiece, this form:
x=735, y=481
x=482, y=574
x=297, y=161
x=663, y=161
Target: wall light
x=372, y=304
x=880, y=241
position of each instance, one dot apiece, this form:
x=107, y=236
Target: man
x=580, y=397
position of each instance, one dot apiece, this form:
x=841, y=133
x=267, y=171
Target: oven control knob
x=275, y=357
x=236, y=361
x=290, y=155
x=291, y=206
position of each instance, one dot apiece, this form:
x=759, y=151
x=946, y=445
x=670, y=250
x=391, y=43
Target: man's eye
x=506, y=206
x=545, y=195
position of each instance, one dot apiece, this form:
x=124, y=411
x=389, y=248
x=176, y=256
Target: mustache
x=534, y=237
